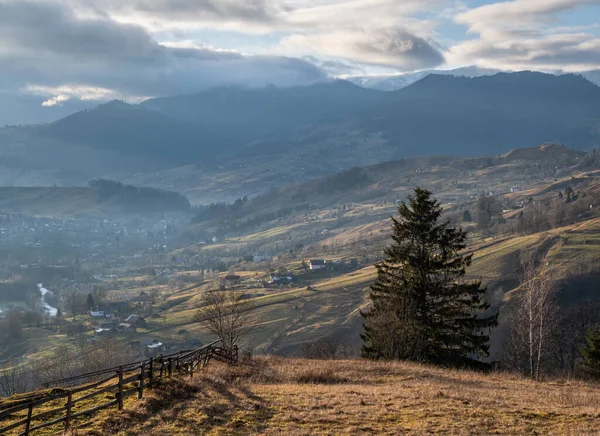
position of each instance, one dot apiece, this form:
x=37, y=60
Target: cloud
x=526, y=34
x=395, y=48
x=195, y=10
x=79, y=92
x=298, y=18
x=56, y=101
x=49, y=46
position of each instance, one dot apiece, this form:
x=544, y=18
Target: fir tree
x=591, y=351
x=423, y=309
x=90, y=303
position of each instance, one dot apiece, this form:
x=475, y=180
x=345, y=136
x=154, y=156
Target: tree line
x=140, y=198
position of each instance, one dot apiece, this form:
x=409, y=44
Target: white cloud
x=393, y=48
x=56, y=101
x=345, y=24
x=527, y=34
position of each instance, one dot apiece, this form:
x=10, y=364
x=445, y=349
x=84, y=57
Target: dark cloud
x=47, y=44
x=397, y=47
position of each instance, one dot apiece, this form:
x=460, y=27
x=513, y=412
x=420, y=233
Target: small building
x=108, y=325
x=155, y=347
x=135, y=320
x=127, y=328
x=97, y=314
x=317, y=264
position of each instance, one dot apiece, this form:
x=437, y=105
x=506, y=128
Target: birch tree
x=534, y=318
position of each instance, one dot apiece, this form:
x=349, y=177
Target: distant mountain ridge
x=310, y=131
x=395, y=82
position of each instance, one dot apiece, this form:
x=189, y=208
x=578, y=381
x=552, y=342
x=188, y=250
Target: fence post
x=162, y=365
x=120, y=393
x=151, y=374
x=177, y=364
x=169, y=367
x=69, y=406
x=141, y=387
x=28, y=425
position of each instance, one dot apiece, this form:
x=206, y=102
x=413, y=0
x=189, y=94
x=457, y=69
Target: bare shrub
x=226, y=314
x=67, y=362
x=14, y=378
x=320, y=349
x=320, y=375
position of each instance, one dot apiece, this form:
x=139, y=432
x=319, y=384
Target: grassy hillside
x=292, y=396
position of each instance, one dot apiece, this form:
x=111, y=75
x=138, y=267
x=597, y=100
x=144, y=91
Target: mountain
x=394, y=82
x=256, y=138
x=231, y=117
x=129, y=129
x=489, y=114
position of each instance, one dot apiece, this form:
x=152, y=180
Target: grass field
x=306, y=397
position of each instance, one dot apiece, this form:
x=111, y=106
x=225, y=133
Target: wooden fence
x=116, y=383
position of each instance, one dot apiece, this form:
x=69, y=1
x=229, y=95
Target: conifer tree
x=591, y=351
x=422, y=308
x=90, y=303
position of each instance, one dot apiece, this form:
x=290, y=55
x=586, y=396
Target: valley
x=159, y=267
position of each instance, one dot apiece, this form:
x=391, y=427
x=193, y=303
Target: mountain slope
x=490, y=114
x=232, y=117
x=129, y=129
x=293, y=134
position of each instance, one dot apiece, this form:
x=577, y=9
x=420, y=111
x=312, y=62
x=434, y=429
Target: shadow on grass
x=196, y=406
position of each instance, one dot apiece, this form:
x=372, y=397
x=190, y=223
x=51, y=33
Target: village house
x=126, y=328
x=317, y=264
x=108, y=325
x=135, y=320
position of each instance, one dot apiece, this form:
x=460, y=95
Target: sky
x=96, y=50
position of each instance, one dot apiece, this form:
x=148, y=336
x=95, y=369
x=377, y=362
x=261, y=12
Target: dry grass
x=295, y=396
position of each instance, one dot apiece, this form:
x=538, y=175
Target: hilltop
x=100, y=199
x=294, y=396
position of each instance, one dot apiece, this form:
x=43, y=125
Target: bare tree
x=67, y=361
x=76, y=303
x=14, y=378
x=226, y=314
x=533, y=320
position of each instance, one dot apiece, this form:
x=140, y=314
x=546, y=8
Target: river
x=52, y=311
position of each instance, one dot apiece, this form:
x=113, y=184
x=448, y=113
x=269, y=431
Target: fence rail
x=120, y=382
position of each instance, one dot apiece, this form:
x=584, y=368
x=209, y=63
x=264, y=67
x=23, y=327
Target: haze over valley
x=342, y=217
